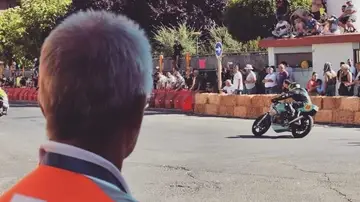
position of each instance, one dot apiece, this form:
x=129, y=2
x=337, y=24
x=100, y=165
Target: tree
x=23, y=29
x=165, y=38
x=151, y=14
x=250, y=19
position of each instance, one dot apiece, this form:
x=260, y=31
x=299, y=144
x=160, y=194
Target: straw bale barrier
x=333, y=110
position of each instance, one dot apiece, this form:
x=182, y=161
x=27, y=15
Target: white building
x=316, y=49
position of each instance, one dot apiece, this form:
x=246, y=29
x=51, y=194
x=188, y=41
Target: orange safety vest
x=50, y=182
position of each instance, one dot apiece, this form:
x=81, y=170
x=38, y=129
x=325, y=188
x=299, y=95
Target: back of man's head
x=95, y=74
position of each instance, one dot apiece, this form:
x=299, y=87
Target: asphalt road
x=188, y=158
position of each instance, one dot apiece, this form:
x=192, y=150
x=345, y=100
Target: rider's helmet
x=293, y=86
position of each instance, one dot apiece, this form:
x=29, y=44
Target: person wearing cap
x=93, y=109
x=250, y=80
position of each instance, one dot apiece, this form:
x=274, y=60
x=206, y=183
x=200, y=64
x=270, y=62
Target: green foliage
x=249, y=19
x=165, y=38
x=23, y=29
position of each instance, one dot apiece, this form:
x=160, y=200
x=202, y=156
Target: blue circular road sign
x=218, y=49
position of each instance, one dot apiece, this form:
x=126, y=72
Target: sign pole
x=218, y=54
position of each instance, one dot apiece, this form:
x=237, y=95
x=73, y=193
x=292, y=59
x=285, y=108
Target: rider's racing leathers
x=300, y=97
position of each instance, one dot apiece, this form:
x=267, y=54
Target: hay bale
x=228, y=100
x=343, y=117
x=265, y=110
x=226, y=110
x=243, y=100
x=331, y=103
x=262, y=100
x=324, y=116
x=317, y=100
x=199, y=108
x=240, y=111
x=214, y=98
x=211, y=109
x=254, y=112
x=351, y=104
x=357, y=118
x=201, y=98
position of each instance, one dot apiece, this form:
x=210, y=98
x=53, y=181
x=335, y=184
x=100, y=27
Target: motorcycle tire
x=294, y=128
x=266, y=121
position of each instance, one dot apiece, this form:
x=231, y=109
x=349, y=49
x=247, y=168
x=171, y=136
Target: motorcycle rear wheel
x=298, y=131
x=264, y=125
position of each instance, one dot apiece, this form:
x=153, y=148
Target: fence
x=257, y=59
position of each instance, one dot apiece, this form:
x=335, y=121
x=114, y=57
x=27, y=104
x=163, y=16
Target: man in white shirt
x=238, y=81
x=250, y=80
x=270, y=81
x=228, y=88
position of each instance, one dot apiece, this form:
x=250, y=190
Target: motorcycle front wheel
x=261, y=125
x=302, y=130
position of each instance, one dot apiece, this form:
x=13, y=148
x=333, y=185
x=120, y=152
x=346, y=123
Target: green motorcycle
x=279, y=118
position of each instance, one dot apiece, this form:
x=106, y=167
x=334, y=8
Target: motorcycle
x=281, y=121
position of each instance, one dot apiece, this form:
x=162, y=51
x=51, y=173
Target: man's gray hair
x=95, y=74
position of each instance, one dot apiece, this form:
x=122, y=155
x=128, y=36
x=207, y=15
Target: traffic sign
x=218, y=49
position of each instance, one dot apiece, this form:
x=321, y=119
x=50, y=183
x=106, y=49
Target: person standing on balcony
x=316, y=5
x=178, y=49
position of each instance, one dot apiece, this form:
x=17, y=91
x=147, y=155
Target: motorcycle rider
x=5, y=101
x=298, y=94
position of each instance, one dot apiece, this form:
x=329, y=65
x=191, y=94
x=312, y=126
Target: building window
x=356, y=56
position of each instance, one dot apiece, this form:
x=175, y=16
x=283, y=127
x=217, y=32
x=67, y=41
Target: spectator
x=312, y=25
x=226, y=72
x=319, y=87
x=281, y=76
x=270, y=81
x=228, y=88
x=162, y=81
x=289, y=70
x=250, y=80
x=197, y=81
x=189, y=78
x=261, y=74
x=316, y=5
x=299, y=27
x=312, y=84
x=171, y=80
x=177, y=53
x=238, y=81
x=94, y=125
x=345, y=81
x=329, y=80
x=349, y=16
x=331, y=26
x=357, y=81
x=352, y=67
x=180, y=81
x=282, y=9
x=282, y=28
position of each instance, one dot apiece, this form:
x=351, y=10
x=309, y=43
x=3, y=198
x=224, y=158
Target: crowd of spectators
x=270, y=80
x=17, y=78
x=317, y=21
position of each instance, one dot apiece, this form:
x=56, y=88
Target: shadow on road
x=262, y=137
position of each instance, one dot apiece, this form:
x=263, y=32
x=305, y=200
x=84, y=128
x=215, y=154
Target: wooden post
x=187, y=59
x=219, y=68
x=161, y=63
